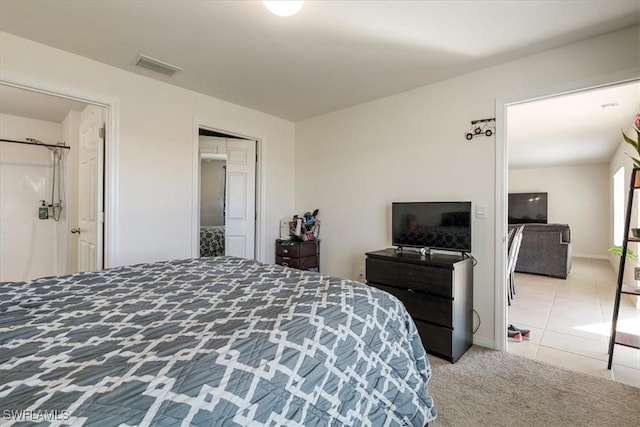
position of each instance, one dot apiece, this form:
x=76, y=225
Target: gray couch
x=545, y=249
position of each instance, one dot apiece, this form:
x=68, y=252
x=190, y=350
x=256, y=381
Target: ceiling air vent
x=156, y=65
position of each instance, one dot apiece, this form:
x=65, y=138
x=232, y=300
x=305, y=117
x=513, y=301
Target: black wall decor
x=479, y=127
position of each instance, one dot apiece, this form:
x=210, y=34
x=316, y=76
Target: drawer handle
x=411, y=290
x=286, y=251
x=286, y=264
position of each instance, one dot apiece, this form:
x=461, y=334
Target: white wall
x=354, y=162
x=28, y=245
x=154, y=148
x=578, y=196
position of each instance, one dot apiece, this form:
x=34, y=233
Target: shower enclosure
x=38, y=183
x=33, y=219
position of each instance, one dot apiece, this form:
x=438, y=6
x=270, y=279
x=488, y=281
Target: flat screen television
x=527, y=208
x=433, y=225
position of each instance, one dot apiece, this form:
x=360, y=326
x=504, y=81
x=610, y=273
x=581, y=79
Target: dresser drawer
x=429, y=308
x=287, y=250
x=432, y=280
x=436, y=340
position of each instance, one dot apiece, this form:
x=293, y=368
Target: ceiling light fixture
x=284, y=7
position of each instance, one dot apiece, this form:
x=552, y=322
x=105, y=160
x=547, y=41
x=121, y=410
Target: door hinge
x=101, y=217
x=101, y=132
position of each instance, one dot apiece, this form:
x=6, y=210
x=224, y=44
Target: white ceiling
x=331, y=55
x=571, y=129
x=36, y=105
x=335, y=54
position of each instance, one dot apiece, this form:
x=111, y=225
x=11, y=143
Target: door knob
x=75, y=230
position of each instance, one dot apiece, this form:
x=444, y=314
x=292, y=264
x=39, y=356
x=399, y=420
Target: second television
x=527, y=208
x=434, y=225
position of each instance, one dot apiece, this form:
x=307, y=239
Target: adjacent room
x=564, y=153
x=336, y=213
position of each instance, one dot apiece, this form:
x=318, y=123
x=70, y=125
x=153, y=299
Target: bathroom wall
x=28, y=245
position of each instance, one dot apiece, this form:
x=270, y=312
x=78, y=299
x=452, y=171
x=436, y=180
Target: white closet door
x=241, y=205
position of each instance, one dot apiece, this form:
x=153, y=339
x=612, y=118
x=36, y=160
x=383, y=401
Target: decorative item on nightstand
x=299, y=243
x=284, y=228
x=304, y=227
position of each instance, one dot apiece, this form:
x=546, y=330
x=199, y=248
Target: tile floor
x=571, y=321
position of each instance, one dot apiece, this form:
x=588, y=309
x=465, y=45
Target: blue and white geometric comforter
x=209, y=342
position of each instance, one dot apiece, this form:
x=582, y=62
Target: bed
x=218, y=341
x=211, y=240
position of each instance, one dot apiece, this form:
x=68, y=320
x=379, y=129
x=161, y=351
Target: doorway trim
x=259, y=206
x=110, y=180
x=501, y=183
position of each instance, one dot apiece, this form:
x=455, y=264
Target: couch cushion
x=560, y=228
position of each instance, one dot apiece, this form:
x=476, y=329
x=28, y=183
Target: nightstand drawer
x=303, y=263
x=429, y=308
x=288, y=262
x=308, y=249
x=287, y=250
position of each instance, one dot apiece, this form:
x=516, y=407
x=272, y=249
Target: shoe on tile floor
x=514, y=335
x=526, y=333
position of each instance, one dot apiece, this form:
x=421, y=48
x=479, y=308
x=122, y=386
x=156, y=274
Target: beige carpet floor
x=492, y=388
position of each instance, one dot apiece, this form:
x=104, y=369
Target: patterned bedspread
x=211, y=240
x=209, y=342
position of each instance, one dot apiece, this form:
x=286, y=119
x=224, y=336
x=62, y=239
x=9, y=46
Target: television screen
x=434, y=225
x=527, y=208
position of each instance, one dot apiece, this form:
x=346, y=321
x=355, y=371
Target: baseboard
x=589, y=256
x=484, y=342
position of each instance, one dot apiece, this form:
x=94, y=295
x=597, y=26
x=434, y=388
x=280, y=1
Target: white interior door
x=241, y=201
x=90, y=190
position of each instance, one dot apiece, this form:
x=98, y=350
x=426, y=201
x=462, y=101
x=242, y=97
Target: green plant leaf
x=617, y=250
x=635, y=161
x=630, y=141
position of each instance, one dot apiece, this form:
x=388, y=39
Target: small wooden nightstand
x=300, y=255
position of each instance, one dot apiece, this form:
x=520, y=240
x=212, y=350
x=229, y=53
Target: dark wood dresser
x=437, y=291
x=300, y=255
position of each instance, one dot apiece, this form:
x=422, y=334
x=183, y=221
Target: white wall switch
x=481, y=211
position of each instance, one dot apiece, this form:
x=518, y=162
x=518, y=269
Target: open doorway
x=226, y=196
x=42, y=196
x=569, y=314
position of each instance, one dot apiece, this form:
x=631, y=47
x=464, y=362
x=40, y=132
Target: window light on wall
x=618, y=206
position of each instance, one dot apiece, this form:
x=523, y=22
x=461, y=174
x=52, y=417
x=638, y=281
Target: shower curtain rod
x=41, y=144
